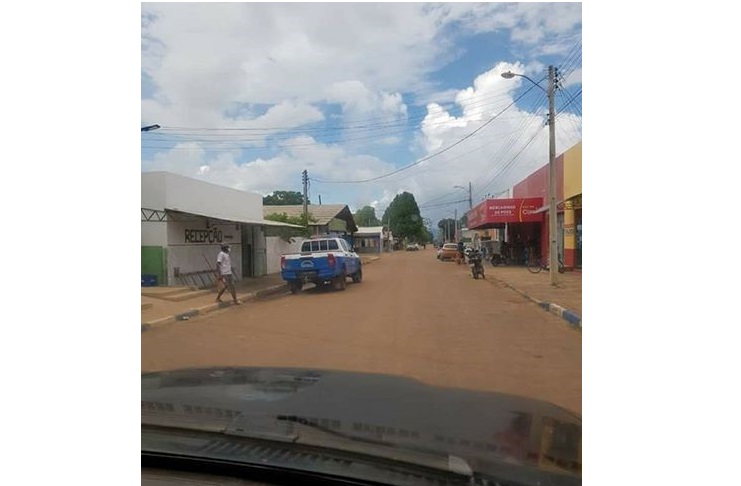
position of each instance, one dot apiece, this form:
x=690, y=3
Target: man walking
x=461, y=252
x=224, y=271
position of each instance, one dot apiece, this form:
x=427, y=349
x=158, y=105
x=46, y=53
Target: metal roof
x=236, y=219
x=369, y=230
x=323, y=213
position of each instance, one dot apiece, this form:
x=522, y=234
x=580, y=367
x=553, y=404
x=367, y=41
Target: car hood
x=483, y=428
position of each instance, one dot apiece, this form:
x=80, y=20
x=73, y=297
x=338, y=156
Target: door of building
x=246, y=251
x=559, y=239
x=577, y=220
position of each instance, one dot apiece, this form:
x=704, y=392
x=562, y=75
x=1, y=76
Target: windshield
x=272, y=133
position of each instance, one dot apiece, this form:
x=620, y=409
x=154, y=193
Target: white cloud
x=390, y=141
x=282, y=172
x=495, y=158
x=573, y=78
x=202, y=58
x=266, y=53
x=276, y=65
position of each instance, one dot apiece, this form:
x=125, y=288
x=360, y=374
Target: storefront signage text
x=211, y=235
x=498, y=211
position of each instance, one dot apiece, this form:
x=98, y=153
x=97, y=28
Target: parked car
x=449, y=251
x=321, y=261
x=413, y=247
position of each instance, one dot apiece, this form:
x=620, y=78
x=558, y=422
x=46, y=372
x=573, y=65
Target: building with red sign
x=525, y=215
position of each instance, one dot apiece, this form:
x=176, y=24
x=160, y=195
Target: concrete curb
x=571, y=317
x=256, y=295
x=185, y=316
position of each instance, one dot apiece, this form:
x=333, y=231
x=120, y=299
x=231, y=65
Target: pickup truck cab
x=321, y=261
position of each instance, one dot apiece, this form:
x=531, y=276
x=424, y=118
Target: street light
x=552, y=247
x=149, y=128
x=470, y=199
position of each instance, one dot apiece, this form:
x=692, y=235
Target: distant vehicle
x=449, y=252
x=413, y=247
x=321, y=261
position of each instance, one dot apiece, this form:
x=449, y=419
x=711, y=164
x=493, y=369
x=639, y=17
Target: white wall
x=153, y=190
x=189, y=253
x=259, y=251
x=277, y=246
x=162, y=190
x=154, y=233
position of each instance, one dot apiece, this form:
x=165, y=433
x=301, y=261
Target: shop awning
x=222, y=218
x=493, y=212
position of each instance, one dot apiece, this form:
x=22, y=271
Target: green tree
x=406, y=221
x=463, y=221
x=284, y=198
x=447, y=228
x=288, y=233
x=366, y=217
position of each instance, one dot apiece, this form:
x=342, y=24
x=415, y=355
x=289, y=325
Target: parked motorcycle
x=475, y=259
x=497, y=260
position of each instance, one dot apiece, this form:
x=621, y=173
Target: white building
x=369, y=239
x=185, y=221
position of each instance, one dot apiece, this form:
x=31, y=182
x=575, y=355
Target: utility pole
x=552, y=216
x=470, y=198
x=456, y=224
x=553, y=247
x=305, y=180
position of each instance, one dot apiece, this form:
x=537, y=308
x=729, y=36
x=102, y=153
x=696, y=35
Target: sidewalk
x=563, y=300
x=163, y=305
x=164, y=309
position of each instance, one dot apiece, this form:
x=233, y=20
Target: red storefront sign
x=493, y=211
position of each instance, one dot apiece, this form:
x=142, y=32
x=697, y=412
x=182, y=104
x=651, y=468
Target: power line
x=434, y=154
x=526, y=122
x=513, y=159
x=569, y=102
x=568, y=66
x=447, y=203
x=236, y=146
x=377, y=121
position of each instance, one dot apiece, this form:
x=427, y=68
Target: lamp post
x=553, y=245
x=470, y=199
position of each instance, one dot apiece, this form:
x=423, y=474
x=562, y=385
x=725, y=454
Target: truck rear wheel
x=340, y=282
x=295, y=286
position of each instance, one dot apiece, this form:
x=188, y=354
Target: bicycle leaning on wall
x=535, y=264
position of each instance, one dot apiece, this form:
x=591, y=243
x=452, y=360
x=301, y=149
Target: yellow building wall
x=571, y=188
x=572, y=172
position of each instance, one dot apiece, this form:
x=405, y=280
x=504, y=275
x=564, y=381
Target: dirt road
x=412, y=315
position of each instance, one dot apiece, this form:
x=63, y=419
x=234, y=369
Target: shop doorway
x=559, y=239
x=247, y=261
x=523, y=240
x=577, y=220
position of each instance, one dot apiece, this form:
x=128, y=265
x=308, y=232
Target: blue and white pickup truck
x=321, y=261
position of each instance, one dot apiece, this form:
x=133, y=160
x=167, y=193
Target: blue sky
x=249, y=95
